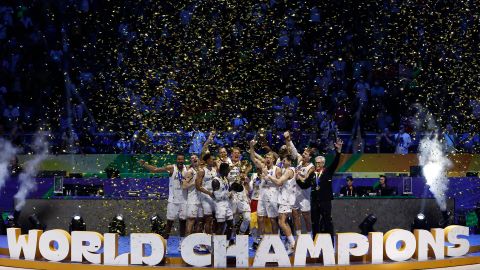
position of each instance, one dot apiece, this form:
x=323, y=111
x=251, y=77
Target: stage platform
x=347, y=213
x=173, y=259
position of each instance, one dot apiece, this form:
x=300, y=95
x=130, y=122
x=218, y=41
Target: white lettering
x=460, y=245
x=345, y=249
x=47, y=248
x=110, y=251
x=322, y=245
x=279, y=255
x=407, y=249
x=137, y=244
x=23, y=244
x=93, y=243
x=375, y=250
x=189, y=255
x=221, y=251
x=434, y=239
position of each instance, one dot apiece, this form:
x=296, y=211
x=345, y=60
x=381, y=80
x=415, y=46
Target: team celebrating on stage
x=212, y=193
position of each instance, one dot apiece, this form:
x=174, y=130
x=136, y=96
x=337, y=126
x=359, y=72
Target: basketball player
x=207, y=143
x=286, y=198
x=240, y=202
x=254, y=186
x=282, y=152
x=223, y=210
x=223, y=157
x=177, y=196
x=302, y=205
x=268, y=200
x=203, y=184
x=194, y=207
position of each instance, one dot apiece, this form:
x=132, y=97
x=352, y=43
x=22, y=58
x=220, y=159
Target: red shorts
x=253, y=205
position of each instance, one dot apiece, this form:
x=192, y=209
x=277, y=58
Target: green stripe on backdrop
x=352, y=160
x=48, y=194
x=91, y=163
x=129, y=163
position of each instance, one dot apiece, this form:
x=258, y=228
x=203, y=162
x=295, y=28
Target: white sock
x=298, y=232
x=291, y=240
x=244, y=226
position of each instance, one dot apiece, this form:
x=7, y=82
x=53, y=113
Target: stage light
x=446, y=219
x=367, y=224
x=420, y=223
x=77, y=224
x=12, y=220
x=158, y=225
x=11, y=223
x=117, y=225
x=35, y=223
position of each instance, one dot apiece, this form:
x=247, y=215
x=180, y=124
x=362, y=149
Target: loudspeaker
x=472, y=174
x=415, y=171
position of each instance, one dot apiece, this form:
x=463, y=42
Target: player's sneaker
x=255, y=245
x=290, y=249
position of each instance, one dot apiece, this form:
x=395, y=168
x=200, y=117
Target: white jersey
x=222, y=201
x=288, y=192
x=268, y=189
x=279, y=162
x=176, y=194
x=234, y=173
x=208, y=177
x=223, y=208
x=192, y=193
x=233, y=176
x=227, y=160
x=221, y=195
x=303, y=194
x=255, y=186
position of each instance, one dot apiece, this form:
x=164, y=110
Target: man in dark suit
x=381, y=187
x=322, y=195
x=349, y=189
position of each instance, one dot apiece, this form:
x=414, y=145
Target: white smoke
x=7, y=153
x=424, y=120
x=26, y=178
x=435, y=165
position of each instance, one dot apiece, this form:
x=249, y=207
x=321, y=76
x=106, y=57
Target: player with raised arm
x=286, y=198
x=302, y=204
x=268, y=199
x=206, y=145
x=177, y=196
x=194, y=207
